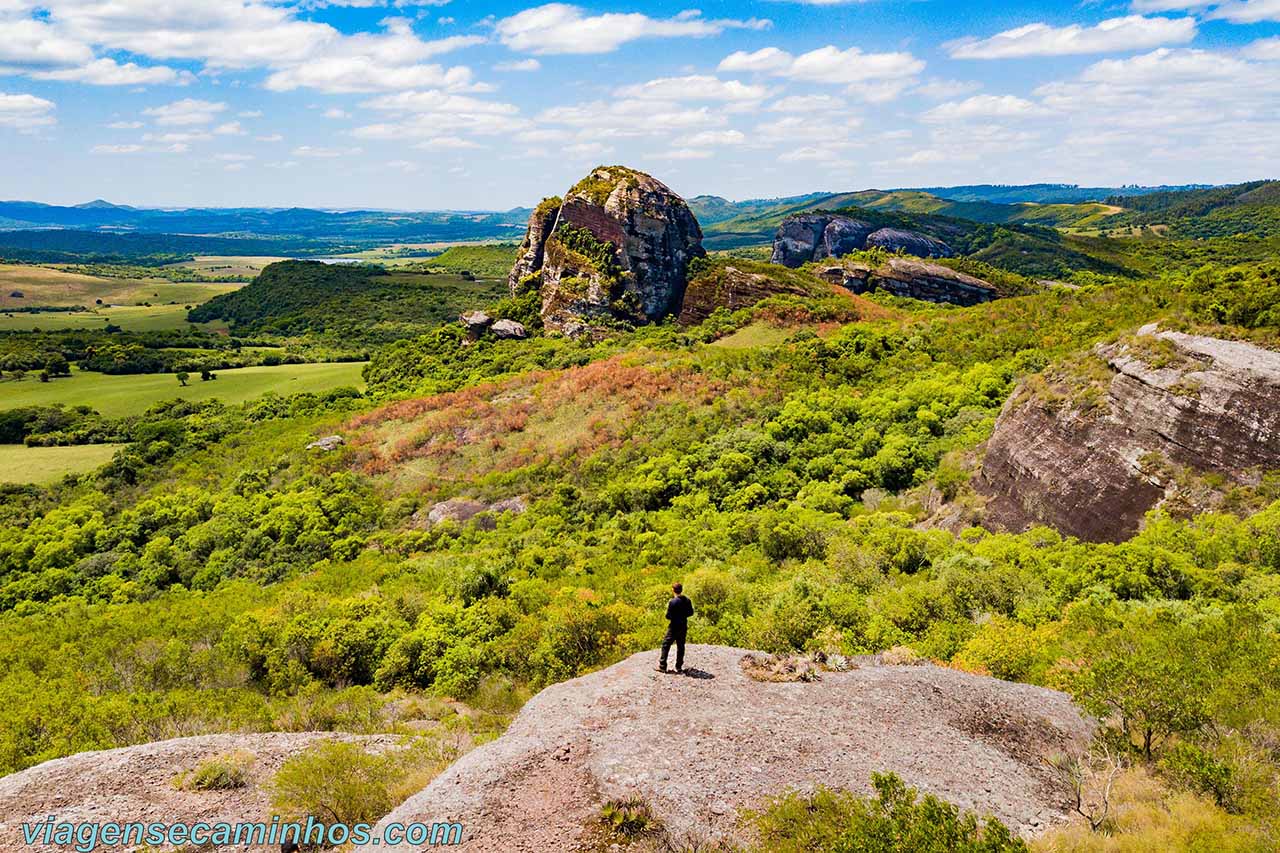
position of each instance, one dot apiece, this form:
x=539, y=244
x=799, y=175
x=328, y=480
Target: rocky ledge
x=911, y=278
x=806, y=237
x=698, y=747
x=615, y=247
x=1090, y=458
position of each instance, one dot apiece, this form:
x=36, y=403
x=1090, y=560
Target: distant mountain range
x=340, y=225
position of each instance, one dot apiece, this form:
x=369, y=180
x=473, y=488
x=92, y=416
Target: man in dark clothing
x=679, y=609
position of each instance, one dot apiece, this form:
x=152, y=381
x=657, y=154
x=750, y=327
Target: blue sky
x=475, y=105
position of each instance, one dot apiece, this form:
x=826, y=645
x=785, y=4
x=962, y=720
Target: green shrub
x=220, y=773
x=895, y=820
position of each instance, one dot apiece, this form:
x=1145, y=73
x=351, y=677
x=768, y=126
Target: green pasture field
x=131, y=318
x=43, y=465
x=118, y=396
x=45, y=286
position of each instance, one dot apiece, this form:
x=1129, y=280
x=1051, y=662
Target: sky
x=490, y=105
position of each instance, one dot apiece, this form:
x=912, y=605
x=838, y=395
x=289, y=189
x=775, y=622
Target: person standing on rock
x=679, y=609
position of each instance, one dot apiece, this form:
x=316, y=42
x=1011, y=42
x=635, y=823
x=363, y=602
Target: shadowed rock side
x=816, y=236
x=134, y=784
x=698, y=748
x=1171, y=399
x=616, y=247
x=913, y=279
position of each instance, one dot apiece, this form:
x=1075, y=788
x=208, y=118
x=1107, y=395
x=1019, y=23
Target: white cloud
x=713, y=138
x=433, y=113
x=233, y=158
x=230, y=128
x=446, y=143
x=686, y=154
x=108, y=72
x=32, y=44
x=1247, y=11
x=519, y=65
x=249, y=114
x=633, y=117
x=695, y=87
x=271, y=137
x=827, y=65
x=335, y=113
x=941, y=90
x=562, y=28
x=1133, y=32
x=185, y=112
x=984, y=107
x=403, y=165
x=25, y=112
x=1264, y=49
x=125, y=125
x=806, y=104
x=176, y=138
x=116, y=149
x=764, y=59
x=325, y=153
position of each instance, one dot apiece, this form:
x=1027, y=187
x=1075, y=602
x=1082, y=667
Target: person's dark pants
x=674, y=635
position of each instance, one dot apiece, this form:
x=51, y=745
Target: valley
x=990, y=471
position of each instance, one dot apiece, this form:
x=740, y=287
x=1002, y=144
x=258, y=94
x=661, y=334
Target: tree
x=183, y=376
x=206, y=375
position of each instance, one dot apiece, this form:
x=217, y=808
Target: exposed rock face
x=135, y=785
x=732, y=288
x=913, y=279
x=809, y=237
x=911, y=242
x=975, y=741
x=1172, y=399
x=327, y=443
x=529, y=259
x=617, y=246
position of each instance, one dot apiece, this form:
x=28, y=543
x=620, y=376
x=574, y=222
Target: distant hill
x=753, y=222
x=66, y=245
x=341, y=225
x=356, y=302
x=1045, y=193
x=1251, y=208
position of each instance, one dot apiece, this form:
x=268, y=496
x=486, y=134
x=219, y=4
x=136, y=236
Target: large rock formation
x=911, y=278
x=809, y=237
x=697, y=748
x=1091, y=456
x=616, y=247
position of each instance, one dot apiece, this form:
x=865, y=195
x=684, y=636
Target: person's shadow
x=691, y=672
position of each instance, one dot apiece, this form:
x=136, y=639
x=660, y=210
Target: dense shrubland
x=217, y=575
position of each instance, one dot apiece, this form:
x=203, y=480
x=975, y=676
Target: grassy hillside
x=120, y=396
x=348, y=301
x=1251, y=208
x=41, y=286
x=754, y=223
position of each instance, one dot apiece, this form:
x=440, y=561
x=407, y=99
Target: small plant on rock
x=220, y=773
x=629, y=818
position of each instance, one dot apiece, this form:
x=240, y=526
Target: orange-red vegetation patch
x=546, y=416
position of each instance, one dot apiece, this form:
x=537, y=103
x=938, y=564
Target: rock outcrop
x=809, y=237
x=1091, y=456
x=462, y=510
x=911, y=278
x=135, y=784
x=733, y=288
x=615, y=247
x=976, y=741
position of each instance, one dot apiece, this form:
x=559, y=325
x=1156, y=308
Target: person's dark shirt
x=679, y=609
